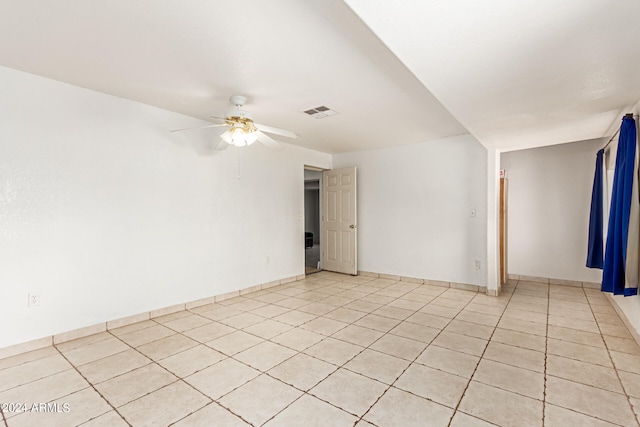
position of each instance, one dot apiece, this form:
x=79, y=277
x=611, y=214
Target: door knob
x=352, y=226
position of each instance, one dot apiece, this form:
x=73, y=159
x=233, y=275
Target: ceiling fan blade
x=268, y=141
x=218, y=118
x=199, y=127
x=277, y=131
x=222, y=145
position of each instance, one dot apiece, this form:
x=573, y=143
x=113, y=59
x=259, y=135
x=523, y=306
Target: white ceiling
x=519, y=73
x=515, y=74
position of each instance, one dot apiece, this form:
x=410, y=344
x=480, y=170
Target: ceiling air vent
x=320, y=112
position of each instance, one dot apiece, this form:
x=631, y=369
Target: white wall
x=494, y=284
x=414, y=204
x=107, y=214
x=549, y=197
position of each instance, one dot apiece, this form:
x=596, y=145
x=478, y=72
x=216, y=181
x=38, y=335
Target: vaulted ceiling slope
x=519, y=74
x=515, y=74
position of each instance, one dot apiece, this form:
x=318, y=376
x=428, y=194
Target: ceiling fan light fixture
x=239, y=137
x=250, y=137
x=226, y=136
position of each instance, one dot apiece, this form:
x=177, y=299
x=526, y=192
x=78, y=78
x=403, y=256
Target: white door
x=339, y=225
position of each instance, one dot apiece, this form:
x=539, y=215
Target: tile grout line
x=430, y=343
x=615, y=369
x=266, y=373
x=414, y=360
x=152, y=361
x=213, y=402
x=3, y=417
x=590, y=385
x=481, y=357
x=261, y=373
x=306, y=392
x=75, y=368
x=361, y=418
x=179, y=379
x=546, y=348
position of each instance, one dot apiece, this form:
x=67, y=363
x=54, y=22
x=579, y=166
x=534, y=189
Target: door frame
x=504, y=230
x=503, y=236
x=320, y=239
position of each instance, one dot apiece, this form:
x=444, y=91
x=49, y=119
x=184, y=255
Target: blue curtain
x=594, y=252
x=615, y=260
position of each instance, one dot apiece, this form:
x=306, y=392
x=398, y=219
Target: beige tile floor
x=334, y=350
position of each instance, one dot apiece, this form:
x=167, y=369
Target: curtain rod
x=626, y=116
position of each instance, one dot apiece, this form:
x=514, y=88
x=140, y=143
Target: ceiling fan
x=242, y=130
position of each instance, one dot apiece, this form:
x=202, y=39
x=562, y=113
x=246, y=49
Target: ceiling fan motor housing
x=238, y=113
x=238, y=100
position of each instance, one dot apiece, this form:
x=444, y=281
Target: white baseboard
x=465, y=286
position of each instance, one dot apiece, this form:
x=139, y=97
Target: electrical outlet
x=476, y=265
x=34, y=299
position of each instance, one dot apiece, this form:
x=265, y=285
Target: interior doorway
x=312, y=209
